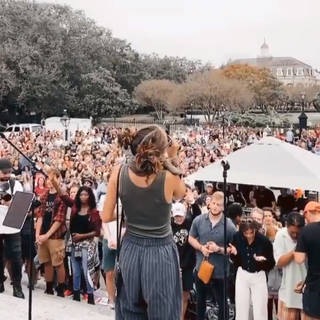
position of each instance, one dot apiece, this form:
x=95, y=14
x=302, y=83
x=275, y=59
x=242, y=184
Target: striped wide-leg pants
x=151, y=287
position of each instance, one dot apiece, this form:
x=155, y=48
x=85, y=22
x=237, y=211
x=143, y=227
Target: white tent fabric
x=268, y=162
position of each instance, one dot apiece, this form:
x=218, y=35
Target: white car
x=32, y=127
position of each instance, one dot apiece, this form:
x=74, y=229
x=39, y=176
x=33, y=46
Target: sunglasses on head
x=246, y=220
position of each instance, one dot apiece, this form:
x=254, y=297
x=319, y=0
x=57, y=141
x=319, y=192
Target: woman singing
x=151, y=284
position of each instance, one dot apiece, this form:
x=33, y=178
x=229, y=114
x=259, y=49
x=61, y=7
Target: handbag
x=117, y=269
x=205, y=271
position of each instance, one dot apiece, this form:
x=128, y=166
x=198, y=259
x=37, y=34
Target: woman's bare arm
x=108, y=213
x=179, y=187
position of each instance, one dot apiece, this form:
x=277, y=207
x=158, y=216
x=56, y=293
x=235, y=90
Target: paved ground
x=50, y=307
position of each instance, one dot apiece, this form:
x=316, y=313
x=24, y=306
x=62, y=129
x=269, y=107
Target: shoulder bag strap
x=119, y=226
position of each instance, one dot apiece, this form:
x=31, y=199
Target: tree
x=267, y=89
x=46, y=52
x=175, y=69
x=101, y=96
x=50, y=55
x=155, y=93
x=293, y=94
x=210, y=92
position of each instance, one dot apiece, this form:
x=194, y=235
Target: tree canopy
x=211, y=92
x=266, y=88
x=155, y=93
x=53, y=58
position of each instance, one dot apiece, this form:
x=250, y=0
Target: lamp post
x=65, y=121
x=223, y=122
x=303, y=117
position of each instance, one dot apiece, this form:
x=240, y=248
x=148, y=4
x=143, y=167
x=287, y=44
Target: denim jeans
x=79, y=265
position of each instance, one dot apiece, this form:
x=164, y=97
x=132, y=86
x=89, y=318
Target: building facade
x=288, y=70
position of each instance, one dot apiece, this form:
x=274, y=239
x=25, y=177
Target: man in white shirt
x=12, y=242
x=290, y=302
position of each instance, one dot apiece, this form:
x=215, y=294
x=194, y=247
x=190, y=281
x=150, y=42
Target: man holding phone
x=12, y=242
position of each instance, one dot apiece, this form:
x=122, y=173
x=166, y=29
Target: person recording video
x=12, y=242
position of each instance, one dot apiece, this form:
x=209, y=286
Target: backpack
x=12, y=183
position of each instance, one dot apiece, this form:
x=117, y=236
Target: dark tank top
x=146, y=209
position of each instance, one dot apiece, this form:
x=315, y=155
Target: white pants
x=251, y=287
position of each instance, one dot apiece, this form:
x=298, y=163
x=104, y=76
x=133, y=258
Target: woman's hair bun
x=125, y=137
x=148, y=158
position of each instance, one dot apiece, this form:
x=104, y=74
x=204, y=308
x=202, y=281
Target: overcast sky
x=212, y=30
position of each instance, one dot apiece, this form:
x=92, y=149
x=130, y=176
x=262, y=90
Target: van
x=15, y=128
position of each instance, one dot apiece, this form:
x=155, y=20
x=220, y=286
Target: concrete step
x=47, y=307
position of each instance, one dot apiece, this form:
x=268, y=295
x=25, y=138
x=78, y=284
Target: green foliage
x=259, y=120
x=54, y=58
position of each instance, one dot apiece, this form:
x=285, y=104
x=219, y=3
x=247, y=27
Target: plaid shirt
x=59, y=213
x=94, y=215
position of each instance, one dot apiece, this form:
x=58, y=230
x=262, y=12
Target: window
x=289, y=72
x=279, y=72
x=311, y=72
x=9, y=129
x=16, y=129
x=300, y=72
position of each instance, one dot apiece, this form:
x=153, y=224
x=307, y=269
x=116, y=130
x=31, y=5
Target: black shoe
x=17, y=291
x=32, y=286
x=49, y=288
x=76, y=296
x=1, y=287
x=91, y=298
x=60, y=290
x=49, y=292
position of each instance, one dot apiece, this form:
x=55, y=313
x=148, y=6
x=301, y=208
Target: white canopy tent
x=268, y=162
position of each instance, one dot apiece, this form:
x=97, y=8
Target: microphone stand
x=34, y=171
x=226, y=167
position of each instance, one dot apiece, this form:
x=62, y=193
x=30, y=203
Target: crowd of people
x=76, y=230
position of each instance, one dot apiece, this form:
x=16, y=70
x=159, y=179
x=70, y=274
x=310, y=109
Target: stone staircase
x=51, y=307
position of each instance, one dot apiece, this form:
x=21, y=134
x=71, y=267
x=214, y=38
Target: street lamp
x=303, y=117
x=223, y=122
x=65, y=121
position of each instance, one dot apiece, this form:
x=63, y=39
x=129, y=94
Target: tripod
x=226, y=167
x=34, y=171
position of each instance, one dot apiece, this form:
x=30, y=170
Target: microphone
x=225, y=164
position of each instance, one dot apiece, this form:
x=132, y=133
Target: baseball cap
x=5, y=164
x=312, y=206
x=178, y=209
